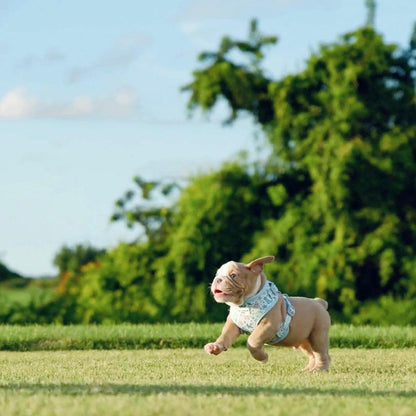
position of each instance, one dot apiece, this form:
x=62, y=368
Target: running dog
x=259, y=309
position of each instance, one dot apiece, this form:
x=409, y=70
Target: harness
x=251, y=312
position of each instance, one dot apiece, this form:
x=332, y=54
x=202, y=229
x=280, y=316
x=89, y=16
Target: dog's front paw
x=214, y=348
x=264, y=361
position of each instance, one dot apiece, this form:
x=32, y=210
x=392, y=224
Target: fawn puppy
x=269, y=317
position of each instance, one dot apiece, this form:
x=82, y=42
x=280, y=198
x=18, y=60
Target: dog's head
x=235, y=282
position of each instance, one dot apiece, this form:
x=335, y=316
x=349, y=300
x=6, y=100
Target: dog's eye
x=233, y=276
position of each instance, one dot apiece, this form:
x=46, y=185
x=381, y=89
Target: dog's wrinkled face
x=235, y=282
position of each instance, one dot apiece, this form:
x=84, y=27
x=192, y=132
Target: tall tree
x=345, y=129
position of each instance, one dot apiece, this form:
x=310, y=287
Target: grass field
x=192, y=335
x=188, y=382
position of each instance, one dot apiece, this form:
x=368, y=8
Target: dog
x=269, y=317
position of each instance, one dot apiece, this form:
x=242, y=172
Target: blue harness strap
x=284, y=327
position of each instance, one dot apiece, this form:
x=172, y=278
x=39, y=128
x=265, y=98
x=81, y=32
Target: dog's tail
x=322, y=302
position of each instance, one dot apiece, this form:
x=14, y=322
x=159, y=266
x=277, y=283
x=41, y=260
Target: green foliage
x=117, y=288
x=6, y=274
x=151, y=211
x=343, y=134
x=71, y=259
x=214, y=221
x=23, y=301
x=387, y=310
x=349, y=122
x=243, y=85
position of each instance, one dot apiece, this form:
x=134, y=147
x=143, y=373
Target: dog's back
x=322, y=302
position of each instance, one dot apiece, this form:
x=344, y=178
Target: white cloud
x=18, y=104
x=119, y=104
x=80, y=106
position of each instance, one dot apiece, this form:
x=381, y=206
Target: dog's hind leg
x=319, y=341
x=322, y=360
x=306, y=348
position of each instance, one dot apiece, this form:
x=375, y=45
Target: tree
x=344, y=131
x=243, y=85
x=215, y=220
x=71, y=259
x=6, y=273
x=149, y=207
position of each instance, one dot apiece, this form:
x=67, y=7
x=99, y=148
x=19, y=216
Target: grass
x=189, y=382
x=22, y=291
x=193, y=335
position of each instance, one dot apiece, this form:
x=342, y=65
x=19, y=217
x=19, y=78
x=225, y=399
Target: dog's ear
x=256, y=266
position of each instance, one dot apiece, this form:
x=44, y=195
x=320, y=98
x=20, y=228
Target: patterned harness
x=252, y=311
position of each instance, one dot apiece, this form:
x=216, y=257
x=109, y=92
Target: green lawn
x=189, y=382
x=192, y=335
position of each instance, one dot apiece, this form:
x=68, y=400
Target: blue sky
x=89, y=98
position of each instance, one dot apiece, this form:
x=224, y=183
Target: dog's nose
x=218, y=279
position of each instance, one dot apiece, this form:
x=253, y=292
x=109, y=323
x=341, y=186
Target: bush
x=387, y=310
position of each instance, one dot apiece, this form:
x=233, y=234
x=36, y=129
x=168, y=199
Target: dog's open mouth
x=221, y=296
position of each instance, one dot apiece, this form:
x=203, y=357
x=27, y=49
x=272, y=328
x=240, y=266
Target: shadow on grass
x=207, y=390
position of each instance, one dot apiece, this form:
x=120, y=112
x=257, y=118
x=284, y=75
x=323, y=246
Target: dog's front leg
x=229, y=334
x=256, y=349
x=255, y=343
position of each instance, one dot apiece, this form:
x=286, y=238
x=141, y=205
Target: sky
x=90, y=97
